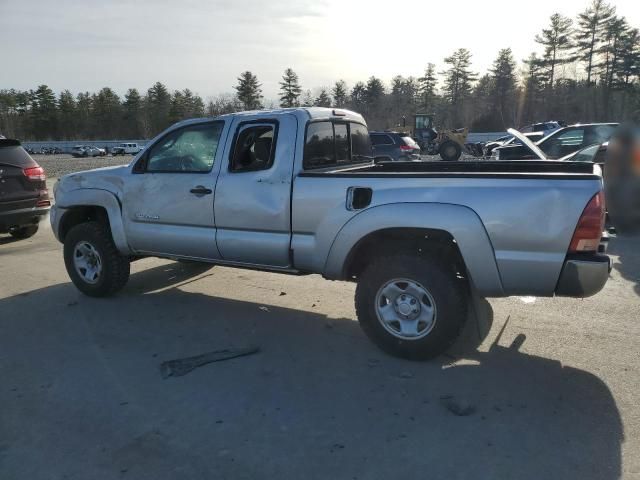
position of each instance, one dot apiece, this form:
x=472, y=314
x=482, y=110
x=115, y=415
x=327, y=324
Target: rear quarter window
x=330, y=144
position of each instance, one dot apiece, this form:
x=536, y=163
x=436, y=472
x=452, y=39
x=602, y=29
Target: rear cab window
x=336, y=143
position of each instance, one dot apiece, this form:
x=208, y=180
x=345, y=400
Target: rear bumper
x=21, y=218
x=583, y=275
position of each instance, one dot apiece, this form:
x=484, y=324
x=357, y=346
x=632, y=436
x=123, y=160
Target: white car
x=126, y=149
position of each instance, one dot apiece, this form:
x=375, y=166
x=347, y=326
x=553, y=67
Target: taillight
x=406, y=148
x=35, y=174
x=588, y=233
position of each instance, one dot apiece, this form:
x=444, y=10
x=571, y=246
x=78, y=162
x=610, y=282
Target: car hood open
x=528, y=143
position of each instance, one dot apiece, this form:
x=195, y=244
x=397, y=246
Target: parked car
x=296, y=191
x=78, y=151
x=394, y=147
x=24, y=199
x=87, y=151
x=509, y=140
x=126, y=149
x=545, y=127
x=561, y=142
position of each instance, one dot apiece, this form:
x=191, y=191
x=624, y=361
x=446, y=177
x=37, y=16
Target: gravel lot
x=58, y=165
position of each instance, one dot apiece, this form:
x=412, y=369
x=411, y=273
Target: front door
x=168, y=204
x=253, y=194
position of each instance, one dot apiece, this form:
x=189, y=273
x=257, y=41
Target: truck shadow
x=318, y=401
x=627, y=248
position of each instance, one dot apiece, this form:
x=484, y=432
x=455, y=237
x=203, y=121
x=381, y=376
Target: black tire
x=24, y=232
x=450, y=151
x=115, y=267
x=448, y=292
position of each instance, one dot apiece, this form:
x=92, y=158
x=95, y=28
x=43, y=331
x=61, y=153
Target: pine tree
x=556, y=41
x=132, y=114
x=323, y=99
x=629, y=65
x=249, y=91
x=458, y=82
x=503, y=83
x=43, y=110
x=307, y=99
x=83, y=110
x=533, y=89
x=290, y=89
x=158, y=103
x=591, y=24
x=340, y=94
x=106, y=114
x=358, y=96
x=66, y=115
x=427, y=88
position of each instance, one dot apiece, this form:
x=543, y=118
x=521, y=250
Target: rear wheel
x=24, y=232
x=411, y=307
x=450, y=151
x=93, y=263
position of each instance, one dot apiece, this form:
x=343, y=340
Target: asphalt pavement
x=535, y=389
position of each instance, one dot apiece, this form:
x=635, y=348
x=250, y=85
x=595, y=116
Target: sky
x=84, y=45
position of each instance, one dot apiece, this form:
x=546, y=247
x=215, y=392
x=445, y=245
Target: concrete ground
x=556, y=396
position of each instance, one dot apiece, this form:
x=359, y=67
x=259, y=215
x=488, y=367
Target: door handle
x=200, y=190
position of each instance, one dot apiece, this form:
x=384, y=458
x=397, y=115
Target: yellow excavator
x=449, y=144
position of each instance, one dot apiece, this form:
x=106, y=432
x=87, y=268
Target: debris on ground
x=182, y=366
x=282, y=294
x=460, y=408
x=263, y=308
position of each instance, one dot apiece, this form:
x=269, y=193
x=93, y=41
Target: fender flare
x=94, y=197
x=461, y=222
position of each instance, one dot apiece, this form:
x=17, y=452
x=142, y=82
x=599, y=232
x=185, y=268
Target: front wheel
x=411, y=307
x=92, y=260
x=450, y=151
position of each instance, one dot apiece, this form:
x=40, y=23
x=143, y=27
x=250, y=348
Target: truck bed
x=528, y=209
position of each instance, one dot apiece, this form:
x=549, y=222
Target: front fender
x=93, y=197
x=462, y=223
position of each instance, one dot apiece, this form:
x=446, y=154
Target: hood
x=528, y=143
x=107, y=178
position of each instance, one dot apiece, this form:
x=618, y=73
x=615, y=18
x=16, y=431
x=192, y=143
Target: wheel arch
x=452, y=229
x=93, y=204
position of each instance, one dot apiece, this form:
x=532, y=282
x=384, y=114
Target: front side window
x=254, y=149
x=189, y=149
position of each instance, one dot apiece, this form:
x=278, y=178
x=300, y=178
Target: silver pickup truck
x=297, y=191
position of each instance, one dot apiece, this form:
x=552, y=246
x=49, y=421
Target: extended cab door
x=168, y=198
x=253, y=194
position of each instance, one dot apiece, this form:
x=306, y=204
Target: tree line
x=589, y=70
